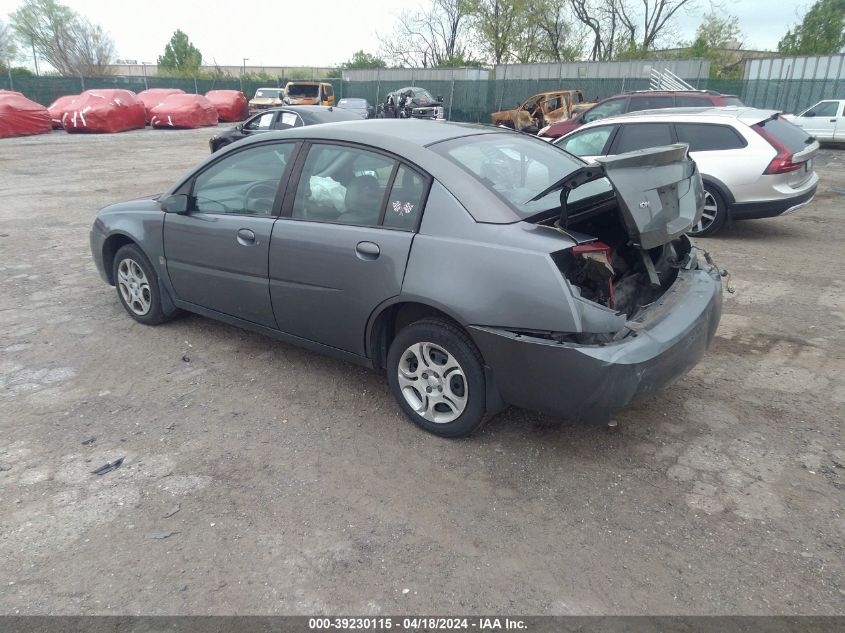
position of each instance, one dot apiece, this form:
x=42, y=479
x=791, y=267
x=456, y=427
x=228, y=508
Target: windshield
x=266, y=93
x=352, y=103
x=308, y=91
x=517, y=168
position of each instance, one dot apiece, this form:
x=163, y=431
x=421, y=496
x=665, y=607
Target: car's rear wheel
x=713, y=215
x=436, y=375
x=137, y=286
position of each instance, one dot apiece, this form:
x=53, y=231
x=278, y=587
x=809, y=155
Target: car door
x=342, y=243
x=216, y=252
x=821, y=120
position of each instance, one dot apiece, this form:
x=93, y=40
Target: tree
x=71, y=44
x=715, y=39
x=499, y=27
x=821, y=31
x=429, y=38
x=8, y=50
x=558, y=39
x=180, y=56
x=360, y=59
x=623, y=29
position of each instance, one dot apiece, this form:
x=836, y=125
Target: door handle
x=367, y=250
x=833, y=121
x=246, y=237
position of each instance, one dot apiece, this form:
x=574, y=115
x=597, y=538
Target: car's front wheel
x=714, y=214
x=436, y=375
x=137, y=286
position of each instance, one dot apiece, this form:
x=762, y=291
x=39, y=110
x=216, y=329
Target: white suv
x=754, y=163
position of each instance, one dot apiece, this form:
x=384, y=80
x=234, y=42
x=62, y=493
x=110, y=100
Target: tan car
x=540, y=110
x=309, y=93
x=266, y=98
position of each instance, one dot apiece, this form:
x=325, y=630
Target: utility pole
x=144, y=68
x=34, y=57
x=243, y=72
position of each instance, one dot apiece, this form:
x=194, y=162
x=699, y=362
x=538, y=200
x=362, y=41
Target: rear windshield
x=733, y=101
x=352, y=103
x=267, y=94
x=303, y=90
x=517, y=168
x=791, y=136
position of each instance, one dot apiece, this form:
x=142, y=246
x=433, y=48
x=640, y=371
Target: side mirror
x=175, y=204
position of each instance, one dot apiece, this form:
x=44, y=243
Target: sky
x=324, y=32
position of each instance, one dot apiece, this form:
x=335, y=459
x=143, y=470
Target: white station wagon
x=754, y=163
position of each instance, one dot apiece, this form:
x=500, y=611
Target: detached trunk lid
x=659, y=192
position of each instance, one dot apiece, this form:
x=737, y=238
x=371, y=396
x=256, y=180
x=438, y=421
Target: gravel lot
x=298, y=488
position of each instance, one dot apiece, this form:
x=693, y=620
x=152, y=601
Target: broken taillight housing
x=596, y=258
x=782, y=162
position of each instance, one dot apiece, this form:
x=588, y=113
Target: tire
x=713, y=201
x=448, y=403
x=143, y=300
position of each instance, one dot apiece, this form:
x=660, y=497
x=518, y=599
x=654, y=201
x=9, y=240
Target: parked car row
x=754, y=163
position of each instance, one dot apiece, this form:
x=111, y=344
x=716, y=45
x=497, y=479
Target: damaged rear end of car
x=644, y=305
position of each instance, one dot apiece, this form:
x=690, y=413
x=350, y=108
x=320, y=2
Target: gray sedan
x=476, y=266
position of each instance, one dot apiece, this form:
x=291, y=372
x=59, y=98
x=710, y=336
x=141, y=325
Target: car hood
x=303, y=100
x=265, y=101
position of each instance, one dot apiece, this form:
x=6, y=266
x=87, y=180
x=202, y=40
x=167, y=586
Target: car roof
x=385, y=133
x=746, y=115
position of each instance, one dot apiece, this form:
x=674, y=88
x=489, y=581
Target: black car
x=361, y=107
x=280, y=119
x=411, y=103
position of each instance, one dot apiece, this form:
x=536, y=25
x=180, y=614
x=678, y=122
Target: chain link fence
x=468, y=101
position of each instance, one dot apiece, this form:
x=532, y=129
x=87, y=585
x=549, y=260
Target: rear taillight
x=782, y=162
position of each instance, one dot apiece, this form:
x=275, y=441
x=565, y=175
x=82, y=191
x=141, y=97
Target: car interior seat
x=363, y=201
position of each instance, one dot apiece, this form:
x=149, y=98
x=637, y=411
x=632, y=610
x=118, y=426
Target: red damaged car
x=641, y=100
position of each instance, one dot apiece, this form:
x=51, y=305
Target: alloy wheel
x=134, y=286
x=708, y=214
x=433, y=383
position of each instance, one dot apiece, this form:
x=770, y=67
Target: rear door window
x=344, y=185
x=645, y=102
x=634, y=136
x=702, y=137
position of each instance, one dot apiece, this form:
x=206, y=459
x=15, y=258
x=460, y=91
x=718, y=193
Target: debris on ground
x=107, y=468
x=89, y=441
x=160, y=535
x=172, y=511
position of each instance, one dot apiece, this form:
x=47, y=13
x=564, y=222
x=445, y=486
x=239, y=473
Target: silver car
x=754, y=163
x=478, y=267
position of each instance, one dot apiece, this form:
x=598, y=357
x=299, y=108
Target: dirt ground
x=298, y=488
